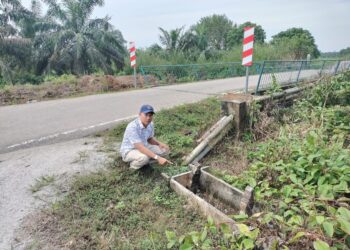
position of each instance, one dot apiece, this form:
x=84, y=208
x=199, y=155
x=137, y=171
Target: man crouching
x=139, y=144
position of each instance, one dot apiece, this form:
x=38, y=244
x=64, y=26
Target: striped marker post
x=132, y=50
x=247, y=56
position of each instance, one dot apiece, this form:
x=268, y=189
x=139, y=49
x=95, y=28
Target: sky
x=327, y=20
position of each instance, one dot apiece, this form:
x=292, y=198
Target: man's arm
x=144, y=150
x=140, y=147
x=154, y=141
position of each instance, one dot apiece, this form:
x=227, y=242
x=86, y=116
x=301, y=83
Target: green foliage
x=27, y=78
x=103, y=207
x=68, y=27
x=331, y=91
x=65, y=78
x=177, y=40
x=275, y=87
x=345, y=53
x=299, y=42
x=212, y=236
x=301, y=176
x=214, y=29
x=235, y=35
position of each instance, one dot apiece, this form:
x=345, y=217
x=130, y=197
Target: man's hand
x=164, y=146
x=162, y=161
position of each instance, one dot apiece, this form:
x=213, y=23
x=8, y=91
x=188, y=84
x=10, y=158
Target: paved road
x=46, y=122
x=32, y=124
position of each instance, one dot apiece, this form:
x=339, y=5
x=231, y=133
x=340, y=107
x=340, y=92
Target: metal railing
x=170, y=74
x=291, y=72
x=283, y=72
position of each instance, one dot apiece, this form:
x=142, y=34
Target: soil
x=217, y=203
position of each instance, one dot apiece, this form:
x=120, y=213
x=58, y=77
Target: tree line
x=66, y=40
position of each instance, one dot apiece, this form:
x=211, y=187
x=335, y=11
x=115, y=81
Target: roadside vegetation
x=297, y=158
x=65, y=86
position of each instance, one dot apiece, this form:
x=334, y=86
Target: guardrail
x=171, y=74
x=290, y=72
x=283, y=72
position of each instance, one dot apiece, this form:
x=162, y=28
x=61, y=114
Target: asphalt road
x=32, y=124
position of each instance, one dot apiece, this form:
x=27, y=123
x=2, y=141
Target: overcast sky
x=327, y=20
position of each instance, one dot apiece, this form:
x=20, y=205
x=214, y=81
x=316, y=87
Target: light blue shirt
x=135, y=132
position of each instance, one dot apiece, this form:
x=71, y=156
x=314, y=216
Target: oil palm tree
x=67, y=40
x=177, y=40
x=14, y=48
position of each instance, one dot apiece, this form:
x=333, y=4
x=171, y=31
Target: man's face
x=146, y=118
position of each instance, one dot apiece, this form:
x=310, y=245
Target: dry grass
x=68, y=86
x=232, y=156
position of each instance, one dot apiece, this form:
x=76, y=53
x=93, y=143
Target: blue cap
x=146, y=109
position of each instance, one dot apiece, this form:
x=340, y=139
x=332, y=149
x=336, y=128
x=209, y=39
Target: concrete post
x=239, y=109
x=247, y=201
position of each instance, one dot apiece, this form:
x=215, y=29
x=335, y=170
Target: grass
x=117, y=208
x=41, y=182
x=124, y=209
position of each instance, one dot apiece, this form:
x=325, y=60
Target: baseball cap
x=146, y=109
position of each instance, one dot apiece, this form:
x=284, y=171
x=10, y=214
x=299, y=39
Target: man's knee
x=140, y=161
x=143, y=159
x=164, y=152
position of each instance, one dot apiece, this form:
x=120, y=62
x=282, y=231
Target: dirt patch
x=33, y=178
x=217, y=203
x=69, y=86
x=229, y=156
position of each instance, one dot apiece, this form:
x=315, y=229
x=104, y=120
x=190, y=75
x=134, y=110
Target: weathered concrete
x=220, y=189
x=210, y=140
x=229, y=195
x=180, y=184
x=237, y=105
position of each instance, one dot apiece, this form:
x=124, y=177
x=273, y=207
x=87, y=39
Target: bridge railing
x=178, y=73
x=291, y=72
x=283, y=72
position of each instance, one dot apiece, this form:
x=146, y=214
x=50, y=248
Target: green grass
x=118, y=208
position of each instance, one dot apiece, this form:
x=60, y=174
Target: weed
x=81, y=158
x=41, y=182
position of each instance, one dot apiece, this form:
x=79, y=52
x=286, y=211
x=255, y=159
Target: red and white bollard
x=247, y=56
